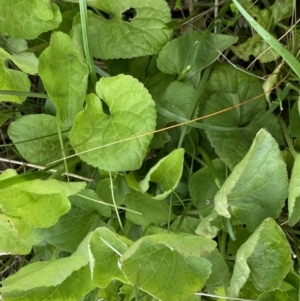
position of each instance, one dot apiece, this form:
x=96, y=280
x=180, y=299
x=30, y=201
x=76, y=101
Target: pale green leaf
x=264, y=259
x=8, y=173
x=210, y=225
x=64, y=76
x=40, y=132
x=193, y=52
x=49, y=274
x=107, y=247
x=26, y=61
x=148, y=210
x=11, y=79
x=257, y=187
x=73, y=288
x=51, y=186
x=231, y=87
x=166, y=174
x=145, y=34
x=13, y=45
x=39, y=203
x=16, y=236
x=163, y=272
x=189, y=246
x=294, y=193
x=27, y=19
x=101, y=135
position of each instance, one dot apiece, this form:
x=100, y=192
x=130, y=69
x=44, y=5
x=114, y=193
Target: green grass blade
x=88, y=55
x=278, y=47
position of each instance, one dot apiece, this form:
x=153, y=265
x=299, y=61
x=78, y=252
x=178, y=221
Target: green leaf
x=294, y=193
x=203, y=188
x=268, y=18
x=176, y=99
x=210, y=225
x=39, y=203
x=294, y=126
x=74, y=288
x=37, y=150
x=148, y=210
x=13, y=45
x=195, y=49
x=190, y=246
x=257, y=187
x=16, y=236
x=231, y=87
x=73, y=226
x=288, y=290
x=219, y=270
x=107, y=247
x=264, y=258
x=27, y=19
x=12, y=80
x=88, y=200
x=104, y=191
x=188, y=225
x=257, y=47
x=145, y=34
x=162, y=271
x=101, y=135
x=8, y=173
x=135, y=67
x=64, y=76
x=166, y=174
x=111, y=292
x=5, y=115
x=50, y=274
x=273, y=42
x=27, y=62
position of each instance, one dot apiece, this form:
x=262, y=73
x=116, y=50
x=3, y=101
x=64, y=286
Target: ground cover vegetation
x=150, y=150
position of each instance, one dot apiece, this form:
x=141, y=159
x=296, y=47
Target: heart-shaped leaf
x=118, y=140
x=137, y=27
